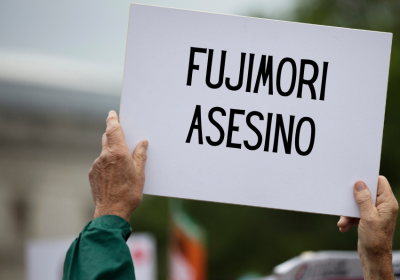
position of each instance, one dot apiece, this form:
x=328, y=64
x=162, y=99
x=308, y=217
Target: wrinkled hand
x=117, y=177
x=375, y=229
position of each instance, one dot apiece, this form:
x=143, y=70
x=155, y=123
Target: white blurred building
x=45, y=256
x=52, y=117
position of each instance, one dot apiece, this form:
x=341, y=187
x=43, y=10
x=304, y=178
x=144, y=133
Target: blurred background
x=61, y=67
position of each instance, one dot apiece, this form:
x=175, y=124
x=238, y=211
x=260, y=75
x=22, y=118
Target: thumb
x=140, y=156
x=364, y=199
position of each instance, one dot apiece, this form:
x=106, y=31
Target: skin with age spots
x=117, y=177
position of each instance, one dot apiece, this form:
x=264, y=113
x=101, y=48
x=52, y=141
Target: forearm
x=100, y=251
x=377, y=267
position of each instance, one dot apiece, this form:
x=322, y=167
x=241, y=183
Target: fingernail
x=360, y=186
x=340, y=219
x=109, y=113
x=145, y=144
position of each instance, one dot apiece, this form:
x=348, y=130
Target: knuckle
x=363, y=197
x=104, y=138
x=142, y=156
x=94, y=170
x=369, y=220
x=103, y=159
x=369, y=216
x=91, y=174
x=118, y=155
x=111, y=116
x=395, y=207
x=112, y=128
x=95, y=163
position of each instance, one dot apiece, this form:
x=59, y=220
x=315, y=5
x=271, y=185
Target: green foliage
x=247, y=239
x=377, y=15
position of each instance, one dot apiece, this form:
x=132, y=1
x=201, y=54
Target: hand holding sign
x=117, y=177
x=375, y=229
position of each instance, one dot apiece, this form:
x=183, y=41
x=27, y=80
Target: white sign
x=144, y=255
x=252, y=111
x=45, y=257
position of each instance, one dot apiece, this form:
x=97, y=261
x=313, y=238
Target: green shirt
x=100, y=251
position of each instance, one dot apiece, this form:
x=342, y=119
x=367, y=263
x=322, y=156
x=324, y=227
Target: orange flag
x=187, y=250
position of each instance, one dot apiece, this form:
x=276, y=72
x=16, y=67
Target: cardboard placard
x=253, y=111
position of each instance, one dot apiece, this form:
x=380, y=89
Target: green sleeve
x=100, y=251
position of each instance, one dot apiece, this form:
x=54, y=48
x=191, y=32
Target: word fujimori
x=265, y=73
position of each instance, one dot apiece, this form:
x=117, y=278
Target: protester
x=117, y=181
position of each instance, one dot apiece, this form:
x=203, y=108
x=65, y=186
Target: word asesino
x=280, y=131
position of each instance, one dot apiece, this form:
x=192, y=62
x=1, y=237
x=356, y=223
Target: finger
x=344, y=221
x=140, y=156
x=352, y=223
x=364, y=199
x=386, y=201
x=114, y=133
x=384, y=192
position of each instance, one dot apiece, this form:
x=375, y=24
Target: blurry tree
x=377, y=15
x=247, y=239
